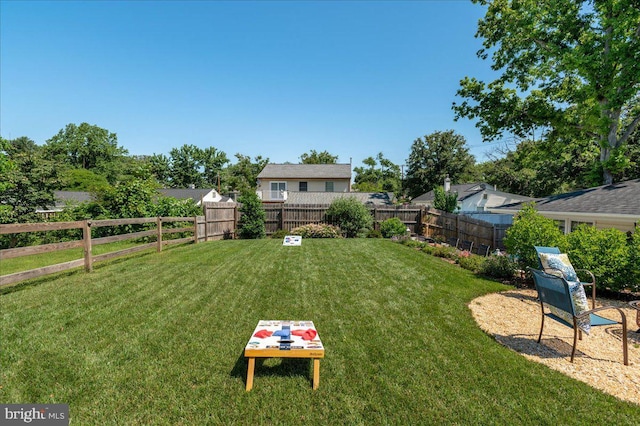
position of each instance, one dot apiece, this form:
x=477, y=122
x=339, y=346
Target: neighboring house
x=275, y=181
x=367, y=198
x=70, y=198
x=608, y=206
x=198, y=196
x=63, y=199
x=474, y=198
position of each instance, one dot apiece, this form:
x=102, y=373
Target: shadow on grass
x=270, y=367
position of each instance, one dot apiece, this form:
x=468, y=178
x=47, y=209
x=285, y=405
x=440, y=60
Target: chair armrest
x=593, y=277
x=604, y=308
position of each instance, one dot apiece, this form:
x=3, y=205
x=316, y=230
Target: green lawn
x=159, y=339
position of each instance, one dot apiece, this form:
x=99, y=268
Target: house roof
x=306, y=171
x=71, y=197
x=464, y=191
x=379, y=198
x=183, y=193
x=621, y=198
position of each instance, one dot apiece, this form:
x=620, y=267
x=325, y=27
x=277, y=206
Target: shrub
x=445, y=252
x=351, y=216
x=634, y=259
x=530, y=229
x=280, y=234
x=374, y=233
x=252, y=216
x=502, y=267
x=317, y=231
x=605, y=252
x=470, y=261
x=392, y=227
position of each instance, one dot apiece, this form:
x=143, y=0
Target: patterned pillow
x=559, y=265
x=580, y=305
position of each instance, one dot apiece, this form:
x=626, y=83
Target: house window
x=302, y=187
x=277, y=190
x=485, y=196
x=560, y=224
x=575, y=224
x=328, y=186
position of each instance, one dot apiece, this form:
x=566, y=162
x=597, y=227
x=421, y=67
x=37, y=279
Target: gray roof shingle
x=306, y=171
x=621, y=198
x=379, y=198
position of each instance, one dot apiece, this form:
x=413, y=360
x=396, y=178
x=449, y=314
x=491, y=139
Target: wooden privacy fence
x=439, y=224
x=222, y=220
x=87, y=242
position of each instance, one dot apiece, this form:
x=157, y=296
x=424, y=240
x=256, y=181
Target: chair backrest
x=553, y=290
x=540, y=249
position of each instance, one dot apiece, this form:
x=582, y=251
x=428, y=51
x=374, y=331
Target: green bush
x=374, y=233
x=470, y=261
x=634, y=259
x=445, y=252
x=530, y=229
x=502, y=267
x=605, y=252
x=252, y=216
x=279, y=234
x=317, y=231
x=351, y=216
x=393, y=227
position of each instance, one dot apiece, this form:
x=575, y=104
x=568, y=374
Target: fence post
x=86, y=237
x=159, y=237
x=282, y=221
x=195, y=230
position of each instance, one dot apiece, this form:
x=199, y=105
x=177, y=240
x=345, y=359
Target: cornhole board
x=292, y=240
x=275, y=346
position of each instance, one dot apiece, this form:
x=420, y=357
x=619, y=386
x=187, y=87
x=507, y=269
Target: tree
x=433, y=158
x=569, y=68
x=542, y=168
x=314, y=157
x=385, y=177
x=186, y=167
x=252, y=216
x=85, y=146
x=243, y=175
x=447, y=201
x=160, y=167
x=213, y=162
x=29, y=182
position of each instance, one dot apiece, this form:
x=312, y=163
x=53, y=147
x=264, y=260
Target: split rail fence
x=87, y=242
x=220, y=221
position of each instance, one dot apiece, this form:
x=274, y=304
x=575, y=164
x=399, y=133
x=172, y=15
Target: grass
x=159, y=339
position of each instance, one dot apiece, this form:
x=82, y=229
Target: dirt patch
x=513, y=318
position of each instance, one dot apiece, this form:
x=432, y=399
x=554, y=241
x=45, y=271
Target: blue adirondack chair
x=554, y=291
x=556, y=250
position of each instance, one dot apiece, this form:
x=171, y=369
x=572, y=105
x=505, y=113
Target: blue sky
x=269, y=78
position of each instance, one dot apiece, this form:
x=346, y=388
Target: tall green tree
x=160, y=167
x=186, y=167
x=442, y=200
x=381, y=174
x=434, y=157
x=314, y=157
x=243, y=175
x=88, y=147
x=568, y=67
x=252, y=216
x=29, y=182
x=213, y=162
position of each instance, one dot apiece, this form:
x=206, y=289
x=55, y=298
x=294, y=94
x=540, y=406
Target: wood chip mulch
x=513, y=318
